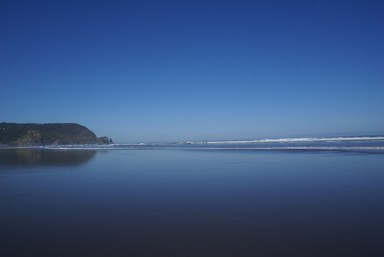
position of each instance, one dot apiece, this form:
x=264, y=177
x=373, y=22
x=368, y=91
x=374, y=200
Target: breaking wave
x=356, y=143
x=370, y=144
x=294, y=140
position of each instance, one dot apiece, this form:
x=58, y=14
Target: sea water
x=193, y=200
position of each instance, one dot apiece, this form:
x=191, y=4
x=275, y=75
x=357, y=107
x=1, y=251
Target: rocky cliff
x=28, y=134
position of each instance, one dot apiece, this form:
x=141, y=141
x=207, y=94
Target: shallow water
x=190, y=202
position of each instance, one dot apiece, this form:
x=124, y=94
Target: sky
x=145, y=71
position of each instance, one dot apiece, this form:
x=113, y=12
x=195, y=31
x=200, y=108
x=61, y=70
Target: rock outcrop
x=30, y=134
x=104, y=141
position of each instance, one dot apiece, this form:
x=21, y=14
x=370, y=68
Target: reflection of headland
x=44, y=157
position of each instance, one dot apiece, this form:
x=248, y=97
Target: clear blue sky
x=194, y=70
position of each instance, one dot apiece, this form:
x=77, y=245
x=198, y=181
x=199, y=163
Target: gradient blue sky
x=195, y=70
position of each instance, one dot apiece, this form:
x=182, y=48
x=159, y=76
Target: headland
x=40, y=134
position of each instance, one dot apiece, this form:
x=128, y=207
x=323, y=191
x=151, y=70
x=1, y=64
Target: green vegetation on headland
x=34, y=134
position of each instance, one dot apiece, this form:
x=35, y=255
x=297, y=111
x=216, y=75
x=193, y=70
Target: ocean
x=270, y=197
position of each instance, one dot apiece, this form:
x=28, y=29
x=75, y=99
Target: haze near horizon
x=174, y=70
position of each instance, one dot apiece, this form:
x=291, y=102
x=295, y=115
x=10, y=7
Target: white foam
x=298, y=143
x=300, y=148
x=294, y=140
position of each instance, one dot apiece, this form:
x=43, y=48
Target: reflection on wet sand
x=43, y=157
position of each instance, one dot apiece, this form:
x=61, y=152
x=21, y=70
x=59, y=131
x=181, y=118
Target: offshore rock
x=104, y=141
x=33, y=134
